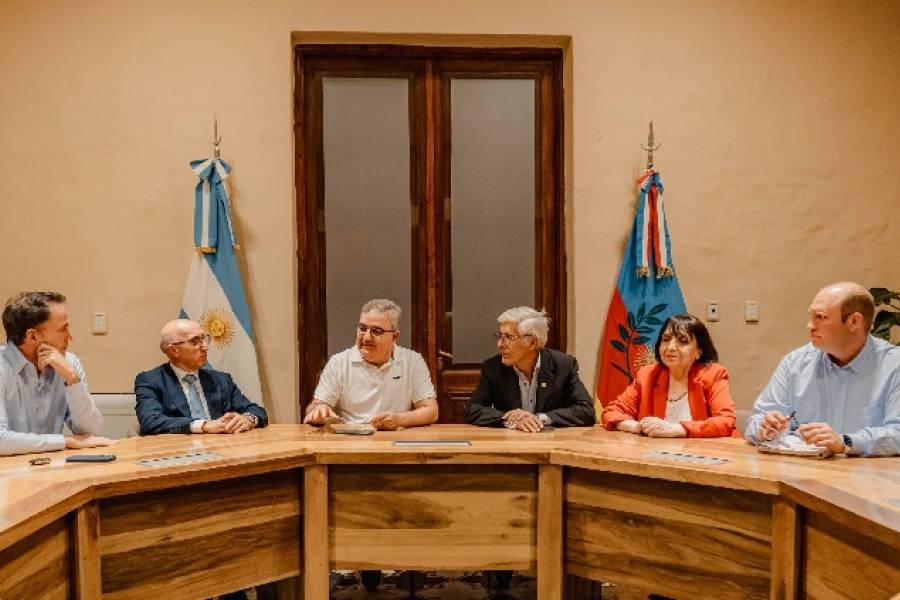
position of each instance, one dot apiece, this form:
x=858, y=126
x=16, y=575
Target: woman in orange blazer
x=685, y=394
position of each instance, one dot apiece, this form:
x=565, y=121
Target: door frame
x=428, y=70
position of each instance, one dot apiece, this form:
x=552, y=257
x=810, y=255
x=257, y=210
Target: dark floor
x=473, y=585
x=432, y=586
x=470, y=585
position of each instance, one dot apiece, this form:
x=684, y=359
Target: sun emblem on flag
x=643, y=356
x=219, y=324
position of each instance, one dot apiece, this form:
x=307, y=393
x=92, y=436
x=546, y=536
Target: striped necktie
x=197, y=411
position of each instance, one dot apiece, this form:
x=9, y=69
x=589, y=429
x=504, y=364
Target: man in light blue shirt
x=843, y=387
x=42, y=385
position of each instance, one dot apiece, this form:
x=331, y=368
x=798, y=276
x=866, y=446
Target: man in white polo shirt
x=376, y=381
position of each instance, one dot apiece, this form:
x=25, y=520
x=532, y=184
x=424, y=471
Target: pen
x=793, y=418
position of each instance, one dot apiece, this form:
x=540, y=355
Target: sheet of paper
x=794, y=445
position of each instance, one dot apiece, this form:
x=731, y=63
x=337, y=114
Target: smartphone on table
x=91, y=458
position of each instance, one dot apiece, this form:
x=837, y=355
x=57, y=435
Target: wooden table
x=290, y=500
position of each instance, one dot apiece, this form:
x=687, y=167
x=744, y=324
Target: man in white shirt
x=42, y=385
x=376, y=381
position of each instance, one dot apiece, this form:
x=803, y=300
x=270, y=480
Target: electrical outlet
x=712, y=310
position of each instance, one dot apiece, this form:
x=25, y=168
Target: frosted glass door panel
x=367, y=201
x=493, y=205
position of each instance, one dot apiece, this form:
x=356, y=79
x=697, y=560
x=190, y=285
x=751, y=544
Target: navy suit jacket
x=560, y=393
x=163, y=408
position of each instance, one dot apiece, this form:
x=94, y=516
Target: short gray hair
x=385, y=307
x=531, y=322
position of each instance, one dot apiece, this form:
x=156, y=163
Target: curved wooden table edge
x=859, y=514
x=82, y=492
x=853, y=510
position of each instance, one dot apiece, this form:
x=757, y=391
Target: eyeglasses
x=506, y=339
x=200, y=340
x=375, y=331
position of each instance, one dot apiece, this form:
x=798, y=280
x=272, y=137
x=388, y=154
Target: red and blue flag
x=647, y=292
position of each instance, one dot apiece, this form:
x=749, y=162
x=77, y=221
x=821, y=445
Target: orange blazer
x=712, y=409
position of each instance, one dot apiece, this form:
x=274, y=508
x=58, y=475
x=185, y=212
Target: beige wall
x=778, y=121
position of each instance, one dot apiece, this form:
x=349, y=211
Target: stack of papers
x=353, y=428
x=794, y=445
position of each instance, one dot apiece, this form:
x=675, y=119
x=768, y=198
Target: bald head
x=185, y=343
x=852, y=298
x=840, y=318
x=177, y=331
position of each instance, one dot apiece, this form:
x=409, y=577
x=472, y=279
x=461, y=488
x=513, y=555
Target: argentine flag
x=214, y=296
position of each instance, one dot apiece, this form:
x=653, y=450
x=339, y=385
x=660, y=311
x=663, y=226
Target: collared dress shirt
x=357, y=390
x=34, y=407
x=528, y=389
x=860, y=399
x=196, y=424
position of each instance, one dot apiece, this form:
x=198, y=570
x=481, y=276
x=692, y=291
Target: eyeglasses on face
x=508, y=338
x=197, y=341
x=362, y=329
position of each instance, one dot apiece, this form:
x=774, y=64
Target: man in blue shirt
x=843, y=387
x=42, y=385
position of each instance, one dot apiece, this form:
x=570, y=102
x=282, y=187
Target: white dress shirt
x=196, y=424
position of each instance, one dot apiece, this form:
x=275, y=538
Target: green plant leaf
x=640, y=314
x=652, y=321
x=623, y=333
x=630, y=320
x=884, y=321
x=644, y=329
x=887, y=317
x=883, y=295
x=641, y=340
x=618, y=345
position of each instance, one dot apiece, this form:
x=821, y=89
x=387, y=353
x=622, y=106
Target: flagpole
x=650, y=148
x=218, y=140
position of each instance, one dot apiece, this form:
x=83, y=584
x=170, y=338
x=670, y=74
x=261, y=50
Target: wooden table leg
x=550, y=533
x=786, y=532
x=316, y=549
x=86, y=557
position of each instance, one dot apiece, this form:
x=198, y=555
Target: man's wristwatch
x=848, y=444
x=544, y=418
x=254, y=420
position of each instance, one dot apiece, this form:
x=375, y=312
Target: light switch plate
x=751, y=311
x=99, y=325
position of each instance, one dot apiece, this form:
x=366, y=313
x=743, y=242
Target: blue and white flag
x=214, y=296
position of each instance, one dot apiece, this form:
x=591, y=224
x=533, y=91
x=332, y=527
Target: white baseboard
x=118, y=413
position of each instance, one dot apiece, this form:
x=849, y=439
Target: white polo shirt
x=357, y=390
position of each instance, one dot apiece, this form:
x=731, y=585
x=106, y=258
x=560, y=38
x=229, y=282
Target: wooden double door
x=431, y=176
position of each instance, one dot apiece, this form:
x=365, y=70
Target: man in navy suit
x=185, y=395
